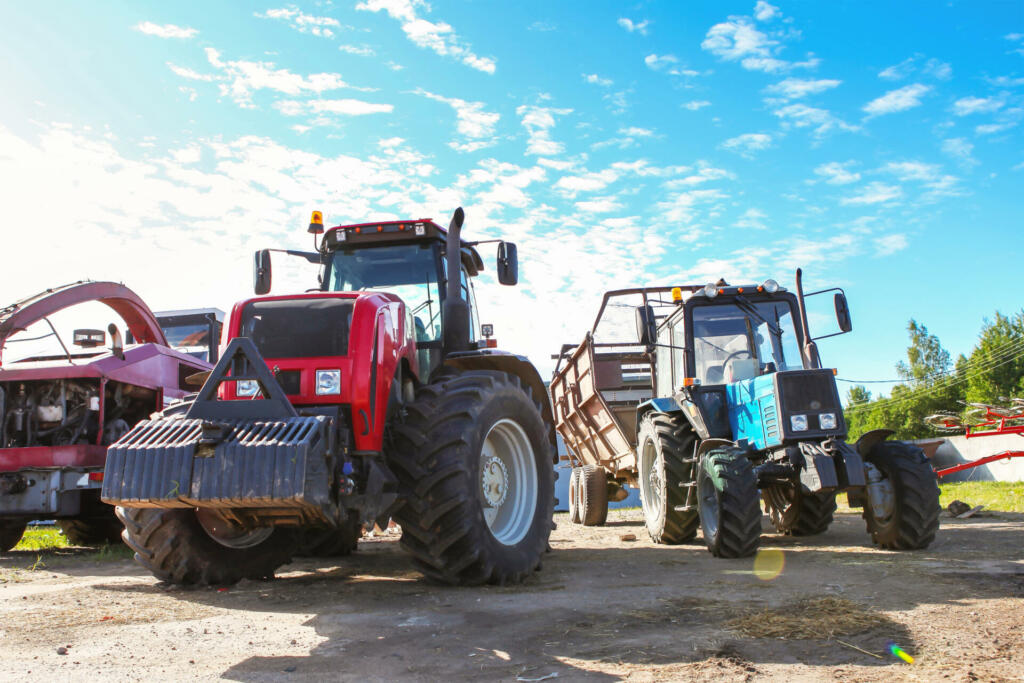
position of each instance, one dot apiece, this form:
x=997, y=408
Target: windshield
x=740, y=341
x=409, y=271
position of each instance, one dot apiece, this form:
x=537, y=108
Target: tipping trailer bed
x=595, y=392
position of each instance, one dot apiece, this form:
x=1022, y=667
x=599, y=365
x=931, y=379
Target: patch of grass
x=1003, y=496
x=42, y=538
x=807, y=619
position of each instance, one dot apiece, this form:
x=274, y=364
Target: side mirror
x=508, y=263
x=116, y=343
x=646, y=325
x=842, y=312
x=261, y=272
x=88, y=339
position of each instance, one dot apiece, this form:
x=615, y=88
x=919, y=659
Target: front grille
x=805, y=392
x=298, y=328
x=290, y=381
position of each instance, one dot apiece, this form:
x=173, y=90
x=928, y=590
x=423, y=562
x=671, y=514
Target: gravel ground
x=602, y=608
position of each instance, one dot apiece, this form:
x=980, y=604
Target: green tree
x=996, y=365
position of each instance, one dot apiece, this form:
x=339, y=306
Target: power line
x=1008, y=348
x=917, y=393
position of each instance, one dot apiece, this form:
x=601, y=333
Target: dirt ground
x=602, y=608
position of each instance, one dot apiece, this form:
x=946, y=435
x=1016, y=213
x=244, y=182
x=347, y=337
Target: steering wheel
x=736, y=353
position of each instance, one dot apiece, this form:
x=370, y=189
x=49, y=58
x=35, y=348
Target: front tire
x=730, y=514
x=795, y=513
x=11, y=531
x=178, y=548
x=914, y=519
x=665, y=447
x=475, y=473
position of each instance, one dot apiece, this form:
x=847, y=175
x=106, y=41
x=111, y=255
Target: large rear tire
x=730, y=514
x=593, y=490
x=475, y=471
x=796, y=513
x=665, y=448
x=338, y=542
x=11, y=531
x=913, y=521
x=179, y=548
x=95, y=525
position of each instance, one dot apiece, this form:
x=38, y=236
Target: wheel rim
x=650, y=480
x=229, y=534
x=508, y=482
x=708, y=507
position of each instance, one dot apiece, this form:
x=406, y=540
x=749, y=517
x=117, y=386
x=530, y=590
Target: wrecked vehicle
x=58, y=413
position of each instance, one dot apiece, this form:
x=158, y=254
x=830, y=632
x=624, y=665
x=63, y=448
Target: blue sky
x=877, y=146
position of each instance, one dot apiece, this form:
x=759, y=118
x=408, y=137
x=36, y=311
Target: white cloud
x=471, y=121
x=694, y=105
x=748, y=143
x=587, y=182
x=683, y=207
x=990, y=128
x=752, y=219
x=594, y=79
x=538, y=122
x=961, y=150
x=302, y=22
x=763, y=11
x=821, y=120
x=240, y=79
x=360, y=50
x=901, y=99
x=637, y=27
x=739, y=39
x=666, y=64
x=635, y=132
x=912, y=170
x=439, y=37
x=933, y=67
x=346, y=107
x=976, y=105
x=890, y=244
x=165, y=31
x=190, y=74
x=874, y=193
x=795, y=88
x=836, y=173
x=599, y=205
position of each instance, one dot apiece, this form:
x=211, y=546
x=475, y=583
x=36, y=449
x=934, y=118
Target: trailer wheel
x=796, y=513
x=574, y=496
x=665, y=449
x=913, y=519
x=11, y=531
x=730, y=514
x=186, y=546
x=593, y=490
x=338, y=542
x=95, y=525
x=473, y=461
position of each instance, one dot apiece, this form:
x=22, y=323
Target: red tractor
x=368, y=398
x=59, y=412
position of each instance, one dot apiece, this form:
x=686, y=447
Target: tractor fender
x=511, y=364
x=702, y=447
x=869, y=440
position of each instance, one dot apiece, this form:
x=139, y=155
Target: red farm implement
x=982, y=420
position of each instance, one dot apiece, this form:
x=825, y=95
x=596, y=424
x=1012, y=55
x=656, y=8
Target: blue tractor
x=724, y=403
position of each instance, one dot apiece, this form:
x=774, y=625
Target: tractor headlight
x=710, y=290
x=770, y=286
x=247, y=387
x=827, y=420
x=328, y=382
x=798, y=423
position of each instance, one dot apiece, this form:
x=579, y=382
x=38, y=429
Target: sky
x=876, y=145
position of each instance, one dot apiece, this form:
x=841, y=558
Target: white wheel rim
x=650, y=481
x=508, y=482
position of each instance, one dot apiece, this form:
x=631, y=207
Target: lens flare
x=897, y=651
x=768, y=563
